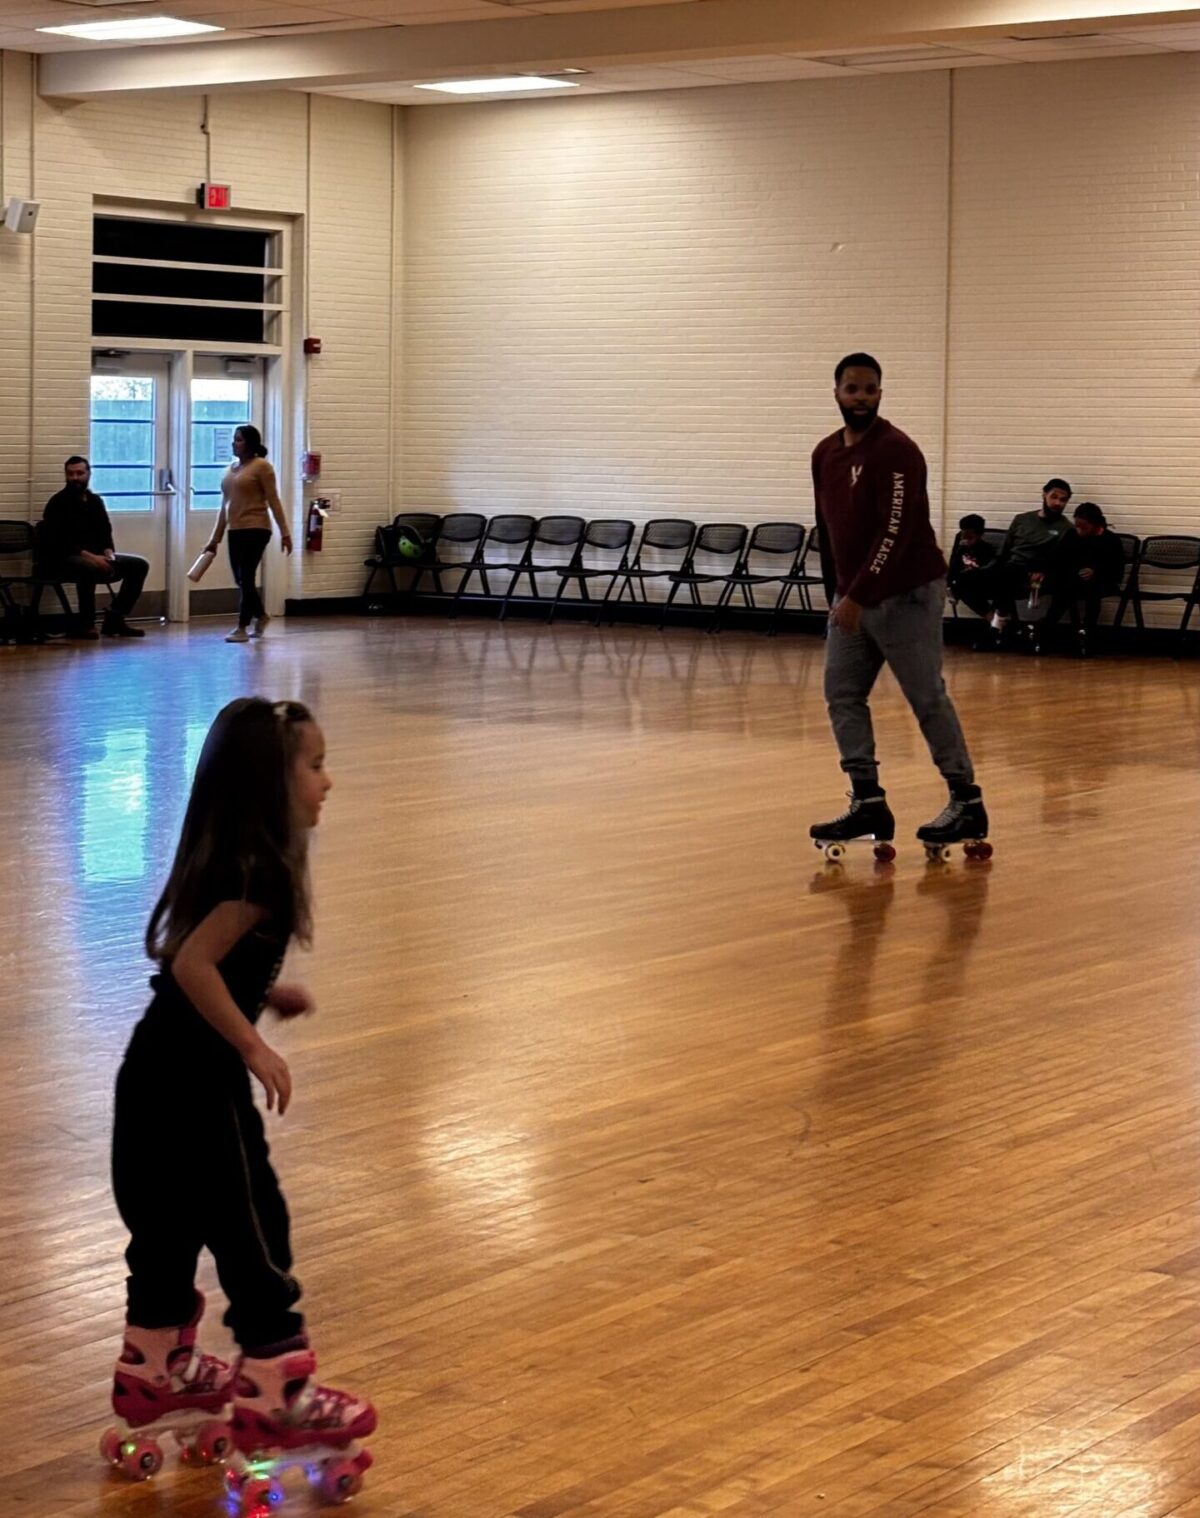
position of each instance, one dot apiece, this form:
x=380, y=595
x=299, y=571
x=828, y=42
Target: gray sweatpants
x=905, y=633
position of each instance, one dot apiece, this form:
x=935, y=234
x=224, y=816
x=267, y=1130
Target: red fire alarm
x=214, y=197
x=312, y=345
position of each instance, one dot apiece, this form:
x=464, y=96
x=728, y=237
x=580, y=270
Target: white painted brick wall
x=155, y=150
x=16, y=263
x=350, y=399
x=633, y=305
x=260, y=146
x=1076, y=289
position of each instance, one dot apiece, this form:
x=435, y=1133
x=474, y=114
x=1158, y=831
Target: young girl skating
x=191, y=1168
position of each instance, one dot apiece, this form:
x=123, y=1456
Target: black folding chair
x=18, y=546
x=805, y=577
x=1131, y=546
x=661, y=535
x=607, y=535
x=715, y=541
x=459, y=539
x=564, y=533
x=510, y=530
x=779, y=540
x=422, y=527
x=1172, y=553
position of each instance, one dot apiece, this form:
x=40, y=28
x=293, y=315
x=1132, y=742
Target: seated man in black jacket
x=971, y=554
x=1089, y=565
x=75, y=542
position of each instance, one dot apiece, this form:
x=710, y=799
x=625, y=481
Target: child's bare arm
x=197, y=976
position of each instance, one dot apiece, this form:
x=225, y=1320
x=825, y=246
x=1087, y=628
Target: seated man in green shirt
x=1025, y=558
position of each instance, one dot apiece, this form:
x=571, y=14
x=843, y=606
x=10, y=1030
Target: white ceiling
x=783, y=66
x=19, y=19
x=636, y=50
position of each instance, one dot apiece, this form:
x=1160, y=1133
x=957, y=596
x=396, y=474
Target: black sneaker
x=117, y=627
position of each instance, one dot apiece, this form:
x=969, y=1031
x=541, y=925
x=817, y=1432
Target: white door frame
x=279, y=580
x=283, y=422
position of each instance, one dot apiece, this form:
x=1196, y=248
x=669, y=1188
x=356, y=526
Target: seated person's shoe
x=117, y=627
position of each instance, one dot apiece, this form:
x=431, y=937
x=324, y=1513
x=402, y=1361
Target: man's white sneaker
x=238, y=635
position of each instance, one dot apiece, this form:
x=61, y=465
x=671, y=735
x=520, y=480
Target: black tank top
x=171, y=1028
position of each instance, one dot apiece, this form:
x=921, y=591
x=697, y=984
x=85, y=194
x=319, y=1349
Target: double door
x=162, y=430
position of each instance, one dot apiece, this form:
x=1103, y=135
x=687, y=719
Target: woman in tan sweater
x=249, y=500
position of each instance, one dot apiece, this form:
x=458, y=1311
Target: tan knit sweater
x=248, y=493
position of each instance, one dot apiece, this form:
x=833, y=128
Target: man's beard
x=855, y=420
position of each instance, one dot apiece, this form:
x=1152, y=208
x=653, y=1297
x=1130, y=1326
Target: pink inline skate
x=282, y=1418
x=163, y=1384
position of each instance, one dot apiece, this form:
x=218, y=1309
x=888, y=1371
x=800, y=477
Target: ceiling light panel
x=135, y=29
x=517, y=84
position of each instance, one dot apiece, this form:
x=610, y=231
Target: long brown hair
x=239, y=839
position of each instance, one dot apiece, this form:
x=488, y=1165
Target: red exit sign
x=214, y=197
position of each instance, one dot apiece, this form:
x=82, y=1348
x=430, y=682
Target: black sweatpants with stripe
x=191, y=1170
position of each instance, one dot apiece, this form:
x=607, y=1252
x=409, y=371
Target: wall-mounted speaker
x=21, y=215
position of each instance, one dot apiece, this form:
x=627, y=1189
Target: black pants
x=1083, y=600
x=246, y=548
x=997, y=588
x=973, y=588
x=127, y=569
x=195, y=1174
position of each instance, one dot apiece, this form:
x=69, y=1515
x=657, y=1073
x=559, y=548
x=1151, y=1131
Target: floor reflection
x=112, y=839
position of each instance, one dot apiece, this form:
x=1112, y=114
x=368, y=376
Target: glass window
x=219, y=407
x=154, y=243
x=122, y=441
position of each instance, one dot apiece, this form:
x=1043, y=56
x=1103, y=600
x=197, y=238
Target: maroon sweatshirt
x=873, y=515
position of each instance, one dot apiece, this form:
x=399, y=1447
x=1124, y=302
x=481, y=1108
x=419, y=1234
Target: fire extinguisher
x=314, y=530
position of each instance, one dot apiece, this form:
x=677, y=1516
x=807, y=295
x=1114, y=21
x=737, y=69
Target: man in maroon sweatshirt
x=886, y=579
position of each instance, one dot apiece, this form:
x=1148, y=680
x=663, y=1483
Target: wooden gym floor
x=641, y=1166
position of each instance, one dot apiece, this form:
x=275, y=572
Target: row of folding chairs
x=600, y=561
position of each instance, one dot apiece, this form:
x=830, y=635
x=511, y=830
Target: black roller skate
x=964, y=820
x=867, y=820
